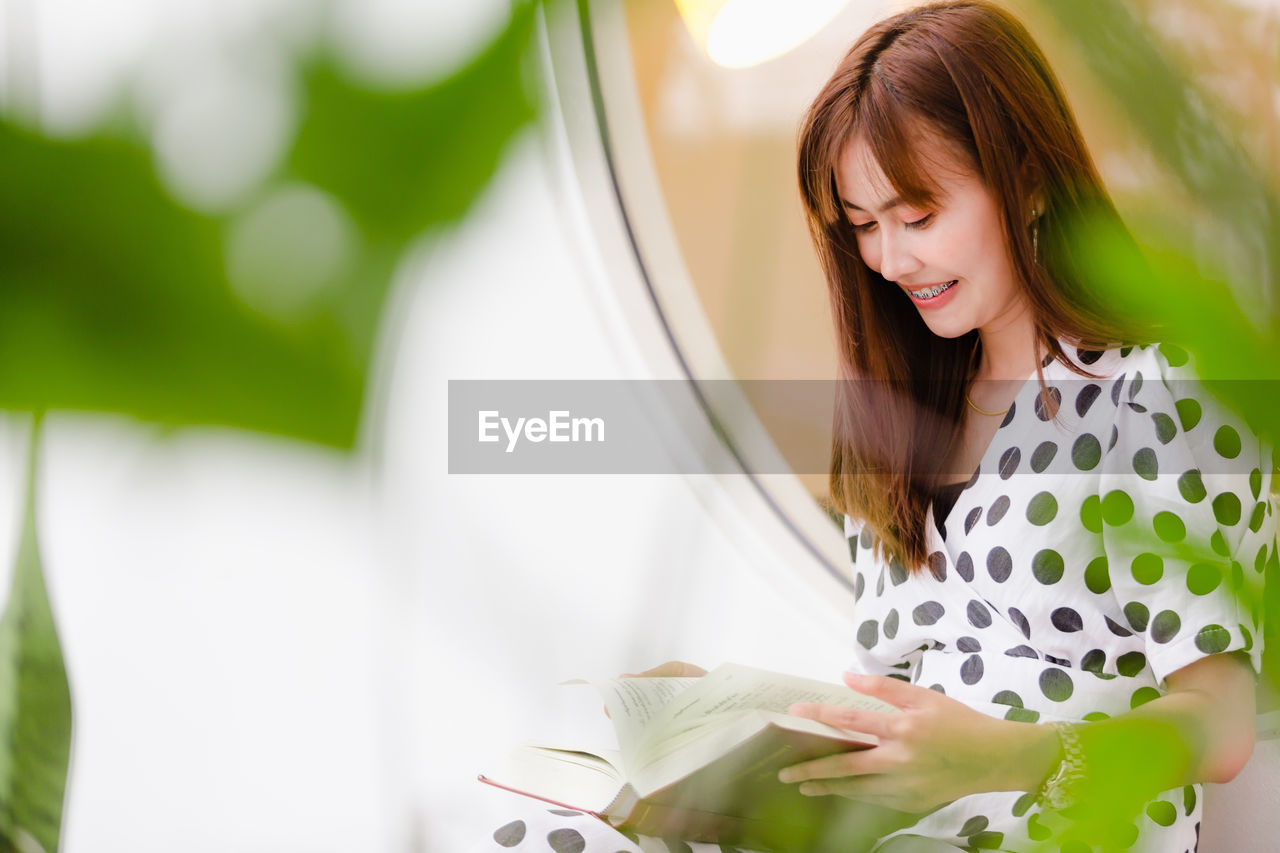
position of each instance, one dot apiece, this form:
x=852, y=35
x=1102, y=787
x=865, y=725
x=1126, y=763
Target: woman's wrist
x=1028, y=754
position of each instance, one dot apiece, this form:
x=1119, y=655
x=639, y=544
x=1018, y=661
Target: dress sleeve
x=1187, y=523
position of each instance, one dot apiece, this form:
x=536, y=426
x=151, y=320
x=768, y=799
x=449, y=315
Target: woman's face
x=951, y=259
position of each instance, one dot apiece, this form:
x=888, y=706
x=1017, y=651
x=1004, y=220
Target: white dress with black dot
x=1091, y=554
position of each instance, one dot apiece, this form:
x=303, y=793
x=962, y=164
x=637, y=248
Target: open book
x=699, y=760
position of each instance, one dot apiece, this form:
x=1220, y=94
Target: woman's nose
x=896, y=259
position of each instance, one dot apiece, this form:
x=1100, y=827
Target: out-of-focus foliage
x=114, y=297
x=35, y=700
x=1216, y=297
x=1191, y=292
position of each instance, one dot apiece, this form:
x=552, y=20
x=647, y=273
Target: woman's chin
x=948, y=328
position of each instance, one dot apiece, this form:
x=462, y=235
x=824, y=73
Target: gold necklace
x=982, y=411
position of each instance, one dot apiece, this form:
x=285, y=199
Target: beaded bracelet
x=1056, y=792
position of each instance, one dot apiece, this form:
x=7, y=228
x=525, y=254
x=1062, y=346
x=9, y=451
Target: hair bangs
x=826, y=130
x=906, y=146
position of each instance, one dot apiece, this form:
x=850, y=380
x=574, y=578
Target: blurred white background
x=273, y=647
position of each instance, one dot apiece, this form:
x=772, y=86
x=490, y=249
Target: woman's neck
x=1010, y=349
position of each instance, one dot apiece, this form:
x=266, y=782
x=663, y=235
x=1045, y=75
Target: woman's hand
x=670, y=669
x=935, y=751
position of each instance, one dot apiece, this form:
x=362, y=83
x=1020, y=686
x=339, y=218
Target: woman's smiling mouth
x=931, y=292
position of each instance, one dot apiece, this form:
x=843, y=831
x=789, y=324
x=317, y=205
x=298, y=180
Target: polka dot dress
x=1106, y=540
x=1111, y=534
x=536, y=828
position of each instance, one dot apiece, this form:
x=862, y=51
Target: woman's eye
x=863, y=227
x=922, y=222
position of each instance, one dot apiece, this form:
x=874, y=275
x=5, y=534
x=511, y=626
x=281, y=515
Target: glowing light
x=742, y=33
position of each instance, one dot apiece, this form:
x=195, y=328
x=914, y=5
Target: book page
x=633, y=702
x=733, y=687
x=660, y=762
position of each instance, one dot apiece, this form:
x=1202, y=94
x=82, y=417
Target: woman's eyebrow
x=889, y=205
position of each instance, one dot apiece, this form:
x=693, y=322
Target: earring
x=1035, y=233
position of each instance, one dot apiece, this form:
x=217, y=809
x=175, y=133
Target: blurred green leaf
x=114, y=297
x=35, y=700
x=1189, y=294
x=1181, y=123
x=400, y=159
x=1206, y=276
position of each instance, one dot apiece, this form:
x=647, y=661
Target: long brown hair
x=969, y=73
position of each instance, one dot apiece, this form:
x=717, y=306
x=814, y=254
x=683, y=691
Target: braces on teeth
x=932, y=291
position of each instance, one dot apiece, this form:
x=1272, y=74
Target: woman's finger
x=850, y=719
x=670, y=669
x=896, y=692
x=860, y=762
x=871, y=789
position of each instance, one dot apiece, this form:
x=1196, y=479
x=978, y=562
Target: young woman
x=1049, y=523
x=1057, y=536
